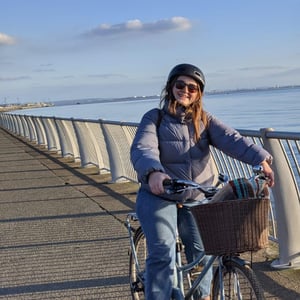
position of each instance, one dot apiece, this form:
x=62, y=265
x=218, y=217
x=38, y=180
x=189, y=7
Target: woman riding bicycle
x=174, y=143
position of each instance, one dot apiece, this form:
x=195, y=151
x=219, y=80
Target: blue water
x=278, y=109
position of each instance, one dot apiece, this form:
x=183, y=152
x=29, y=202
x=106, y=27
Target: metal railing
x=106, y=145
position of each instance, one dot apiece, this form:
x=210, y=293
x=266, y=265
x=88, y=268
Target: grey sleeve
x=232, y=143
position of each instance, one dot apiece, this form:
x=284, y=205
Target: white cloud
x=6, y=39
x=133, y=26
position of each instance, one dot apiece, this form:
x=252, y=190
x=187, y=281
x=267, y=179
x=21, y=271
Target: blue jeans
x=159, y=219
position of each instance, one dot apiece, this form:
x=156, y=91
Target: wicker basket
x=233, y=226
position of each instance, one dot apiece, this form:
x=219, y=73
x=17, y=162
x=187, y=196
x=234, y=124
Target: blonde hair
x=195, y=110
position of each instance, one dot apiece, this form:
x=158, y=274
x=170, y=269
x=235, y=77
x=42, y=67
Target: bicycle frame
x=181, y=270
x=229, y=266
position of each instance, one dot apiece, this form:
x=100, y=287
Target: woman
x=174, y=143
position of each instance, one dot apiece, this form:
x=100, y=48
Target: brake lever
x=174, y=186
x=210, y=192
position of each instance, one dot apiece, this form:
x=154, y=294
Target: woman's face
x=186, y=90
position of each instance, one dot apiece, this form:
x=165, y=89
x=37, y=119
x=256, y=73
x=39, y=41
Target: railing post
x=287, y=206
x=114, y=153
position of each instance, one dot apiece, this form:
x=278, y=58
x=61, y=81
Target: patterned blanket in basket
x=243, y=188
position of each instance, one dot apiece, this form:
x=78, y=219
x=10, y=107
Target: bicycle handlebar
x=176, y=186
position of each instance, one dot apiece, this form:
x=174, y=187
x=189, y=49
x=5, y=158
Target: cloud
x=249, y=70
x=261, y=68
x=6, y=40
x=290, y=72
x=14, y=78
x=137, y=26
x=44, y=70
x=5, y=63
x=274, y=71
x=106, y=76
x=46, y=65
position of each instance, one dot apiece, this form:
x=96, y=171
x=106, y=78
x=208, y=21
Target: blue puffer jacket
x=170, y=148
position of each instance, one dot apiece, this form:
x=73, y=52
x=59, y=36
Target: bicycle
x=233, y=276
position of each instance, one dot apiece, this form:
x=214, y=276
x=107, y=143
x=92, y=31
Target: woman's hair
x=195, y=110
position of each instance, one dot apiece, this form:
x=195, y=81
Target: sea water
x=270, y=108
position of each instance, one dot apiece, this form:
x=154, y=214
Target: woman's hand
x=268, y=172
x=155, y=181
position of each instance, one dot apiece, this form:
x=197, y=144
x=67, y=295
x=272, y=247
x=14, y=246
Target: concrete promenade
x=63, y=234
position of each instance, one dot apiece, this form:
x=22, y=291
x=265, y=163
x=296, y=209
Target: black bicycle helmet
x=188, y=70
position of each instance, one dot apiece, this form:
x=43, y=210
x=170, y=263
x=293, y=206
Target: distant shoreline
x=287, y=87
x=19, y=106
x=133, y=98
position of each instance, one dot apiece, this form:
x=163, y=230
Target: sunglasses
x=192, y=88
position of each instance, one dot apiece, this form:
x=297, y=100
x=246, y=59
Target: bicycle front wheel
x=137, y=266
x=239, y=283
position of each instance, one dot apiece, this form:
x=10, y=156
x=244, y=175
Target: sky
x=73, y=49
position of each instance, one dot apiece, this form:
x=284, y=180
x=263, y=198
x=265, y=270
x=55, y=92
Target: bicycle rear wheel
x=239, y=281
x=137, y=269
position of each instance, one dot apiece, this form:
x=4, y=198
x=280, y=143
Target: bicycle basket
x=233, y=226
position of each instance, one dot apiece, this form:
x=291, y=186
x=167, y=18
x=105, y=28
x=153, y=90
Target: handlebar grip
x=167, y=182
